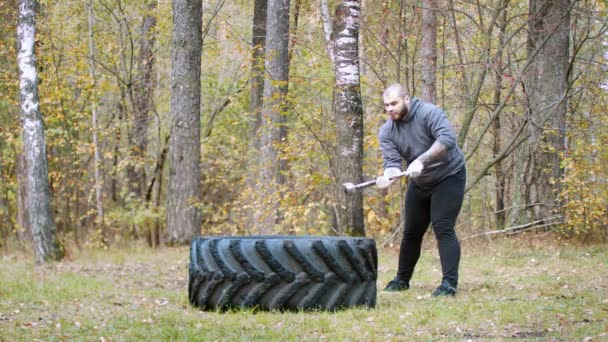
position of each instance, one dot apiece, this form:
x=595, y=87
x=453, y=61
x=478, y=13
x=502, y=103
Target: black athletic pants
x=440, y=206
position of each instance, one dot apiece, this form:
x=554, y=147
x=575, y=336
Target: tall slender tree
x=143, y=90
x=274, y=130
x=183, y=217
x=23, y=222
x=97, y=161
x=348, y=108
x=500, y=188
x=45, y=241
x=429, y=50
x=547, y=89
x=258, y=45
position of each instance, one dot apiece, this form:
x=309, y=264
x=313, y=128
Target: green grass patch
x=511, y=289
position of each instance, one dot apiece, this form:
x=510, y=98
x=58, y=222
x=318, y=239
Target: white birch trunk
x=45, y=242
x=348, y=109
x=97, y=162
x=327, y=29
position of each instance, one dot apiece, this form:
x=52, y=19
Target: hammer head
x=349, y=187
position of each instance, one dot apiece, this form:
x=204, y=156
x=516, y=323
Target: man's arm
x=445, y=139
x=436, y=152
x=391, y=157
x=390, y=154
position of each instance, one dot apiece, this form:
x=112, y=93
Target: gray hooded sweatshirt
x=408, y=138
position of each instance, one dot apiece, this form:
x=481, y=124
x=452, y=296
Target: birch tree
x=348, y=108
x=183, y=217
x=97, y=162
x=46, y=244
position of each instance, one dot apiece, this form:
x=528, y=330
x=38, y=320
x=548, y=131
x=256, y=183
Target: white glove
x=414, y=169
x=385, y=181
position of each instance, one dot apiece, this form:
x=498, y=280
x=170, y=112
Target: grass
x=515, y=289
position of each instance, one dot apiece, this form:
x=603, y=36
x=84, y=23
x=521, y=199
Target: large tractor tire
x=282, y=272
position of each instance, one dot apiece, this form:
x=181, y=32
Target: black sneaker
x=396, y=285
x=444, y=290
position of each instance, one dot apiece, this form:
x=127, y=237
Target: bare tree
x=546, y=88
x=45, y=241
x=348, y=108
x=429, y=50
x=97, y=161
x=258, y=44
x=500, y=188
x=274, y=131
x=327, y=29
x=23, y=224
x=143, y=90
x=183, y=217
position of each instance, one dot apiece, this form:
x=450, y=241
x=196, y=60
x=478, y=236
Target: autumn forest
x=162, y=120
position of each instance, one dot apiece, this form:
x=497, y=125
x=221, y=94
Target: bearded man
x=420, y=134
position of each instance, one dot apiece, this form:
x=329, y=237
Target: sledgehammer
x=350, y=187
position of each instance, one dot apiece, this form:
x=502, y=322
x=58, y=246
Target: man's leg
x=417, y=219
x=446, y=202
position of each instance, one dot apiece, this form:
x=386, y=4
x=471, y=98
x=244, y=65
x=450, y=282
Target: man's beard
x=404, y=113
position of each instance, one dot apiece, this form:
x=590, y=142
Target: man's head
x=396, y=101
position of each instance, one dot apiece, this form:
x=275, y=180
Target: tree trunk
x=97, y=162
x=45, y=241
x=499, y=190
x=429, y=50
x=327, y=29
x=158, y=174
x=114, y=184
x=547, y=86
x=258, y=44
x=183, y=217
x=7, y=226
x=23, y=224
x=143, y=90
x=274, y=131
x=348, y=107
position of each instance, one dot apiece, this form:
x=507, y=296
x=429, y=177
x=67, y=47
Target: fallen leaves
x=540, y=300
x=161, y=301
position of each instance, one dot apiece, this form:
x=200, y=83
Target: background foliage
x=389, y=53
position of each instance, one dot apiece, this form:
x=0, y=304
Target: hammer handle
x=365, y=184
x=373, y=181
x=399, y=175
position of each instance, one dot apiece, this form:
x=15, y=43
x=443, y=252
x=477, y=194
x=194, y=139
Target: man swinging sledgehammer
x=420, y=134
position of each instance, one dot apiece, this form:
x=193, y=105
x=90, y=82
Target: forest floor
x=511, y=289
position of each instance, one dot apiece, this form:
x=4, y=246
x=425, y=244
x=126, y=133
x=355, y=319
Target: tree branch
x=520, y=228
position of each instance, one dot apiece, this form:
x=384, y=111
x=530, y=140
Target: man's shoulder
x=429, y=113
x=427, y=108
